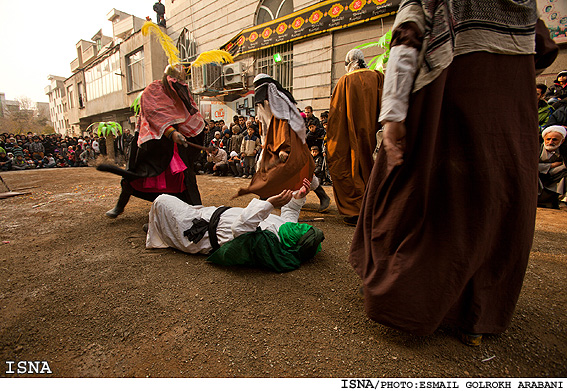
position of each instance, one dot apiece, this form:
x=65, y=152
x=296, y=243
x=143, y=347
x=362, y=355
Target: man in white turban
x=552, y=169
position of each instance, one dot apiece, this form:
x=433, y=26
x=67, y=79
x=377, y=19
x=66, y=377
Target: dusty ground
x=80, y=291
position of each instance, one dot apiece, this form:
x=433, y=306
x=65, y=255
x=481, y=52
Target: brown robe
x=274, y=176
x=351, y=136
x=445, y=237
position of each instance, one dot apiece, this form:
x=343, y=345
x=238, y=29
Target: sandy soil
x=81, y=291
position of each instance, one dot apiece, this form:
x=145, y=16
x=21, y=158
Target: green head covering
x=303, y=239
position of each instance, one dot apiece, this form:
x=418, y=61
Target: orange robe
x=351, y=136
x=274, y=176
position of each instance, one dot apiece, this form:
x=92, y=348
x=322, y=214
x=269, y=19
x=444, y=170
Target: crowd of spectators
x=34, y=151
x=237, y=146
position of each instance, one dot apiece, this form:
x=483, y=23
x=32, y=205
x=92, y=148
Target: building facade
x=308, y=61
x=301, y=43
x=57, y=103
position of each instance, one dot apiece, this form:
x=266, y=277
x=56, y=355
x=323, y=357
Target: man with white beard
x=552, y=169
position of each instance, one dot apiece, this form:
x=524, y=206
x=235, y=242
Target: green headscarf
x=297, y=243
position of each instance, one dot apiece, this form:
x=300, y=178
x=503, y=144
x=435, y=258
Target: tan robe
x=274, y=176
x=351, y=136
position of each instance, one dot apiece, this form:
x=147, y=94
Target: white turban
x=555, y=128
x=354, y=60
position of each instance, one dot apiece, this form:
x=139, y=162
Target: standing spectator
x=241, y=125
x=225, y=141
x=248, y=150
x=310, y=118
x=236, y=139
x=445, y=228
x=324, y=200
x=159, y=9
x=215, y=142
x=95, y=145
x=37, y=150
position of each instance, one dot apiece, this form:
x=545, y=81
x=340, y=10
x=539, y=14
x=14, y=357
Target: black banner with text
x=317, y=19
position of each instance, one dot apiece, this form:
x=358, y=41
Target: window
x=102, y=79
x=82, y=98
x=282, y=71
x=71, y=97
x=273, y=9
x=187, y=46
x=135, y=70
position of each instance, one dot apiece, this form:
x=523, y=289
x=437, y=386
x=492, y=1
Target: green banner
x=317, y=19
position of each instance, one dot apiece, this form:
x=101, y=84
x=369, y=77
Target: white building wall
x=213, y=23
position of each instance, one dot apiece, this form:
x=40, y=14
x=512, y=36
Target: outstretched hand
x=281, y=199
x=302, y=192
x=394, y=142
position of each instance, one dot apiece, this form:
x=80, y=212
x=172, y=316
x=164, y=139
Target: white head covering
x=281, y=105
x=554, y=128
x=233, y=154
x=354, y=60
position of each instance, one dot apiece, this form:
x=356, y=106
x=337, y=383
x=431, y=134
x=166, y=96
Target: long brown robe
x=445, y=237
x=351, y=136
x=274, y=176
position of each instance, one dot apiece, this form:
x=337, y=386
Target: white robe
x=170, y=217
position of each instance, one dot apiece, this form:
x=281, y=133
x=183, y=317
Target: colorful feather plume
x=218, y=56
x=165, y=41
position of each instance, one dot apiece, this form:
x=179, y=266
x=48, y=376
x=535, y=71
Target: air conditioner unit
x=206, y=79
x=233, y=75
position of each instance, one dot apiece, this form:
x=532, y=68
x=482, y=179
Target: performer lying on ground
x=168, y=140
x=238, y=236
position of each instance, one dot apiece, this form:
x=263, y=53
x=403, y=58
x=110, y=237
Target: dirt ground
x=80, y=291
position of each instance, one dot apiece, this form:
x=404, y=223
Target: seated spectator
x=558, y=91
x=217, y=162
x=29, y=161
x=19, y=163
x=552, y=168
x=17, y=149
x=544, y=109
x=48, y=161
x=248, y=150
x=5, y=161
x=235, y=164
x=250, y=236
x=60, y=159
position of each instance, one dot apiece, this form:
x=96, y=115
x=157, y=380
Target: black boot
x=324, y=199
x=122, y=201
